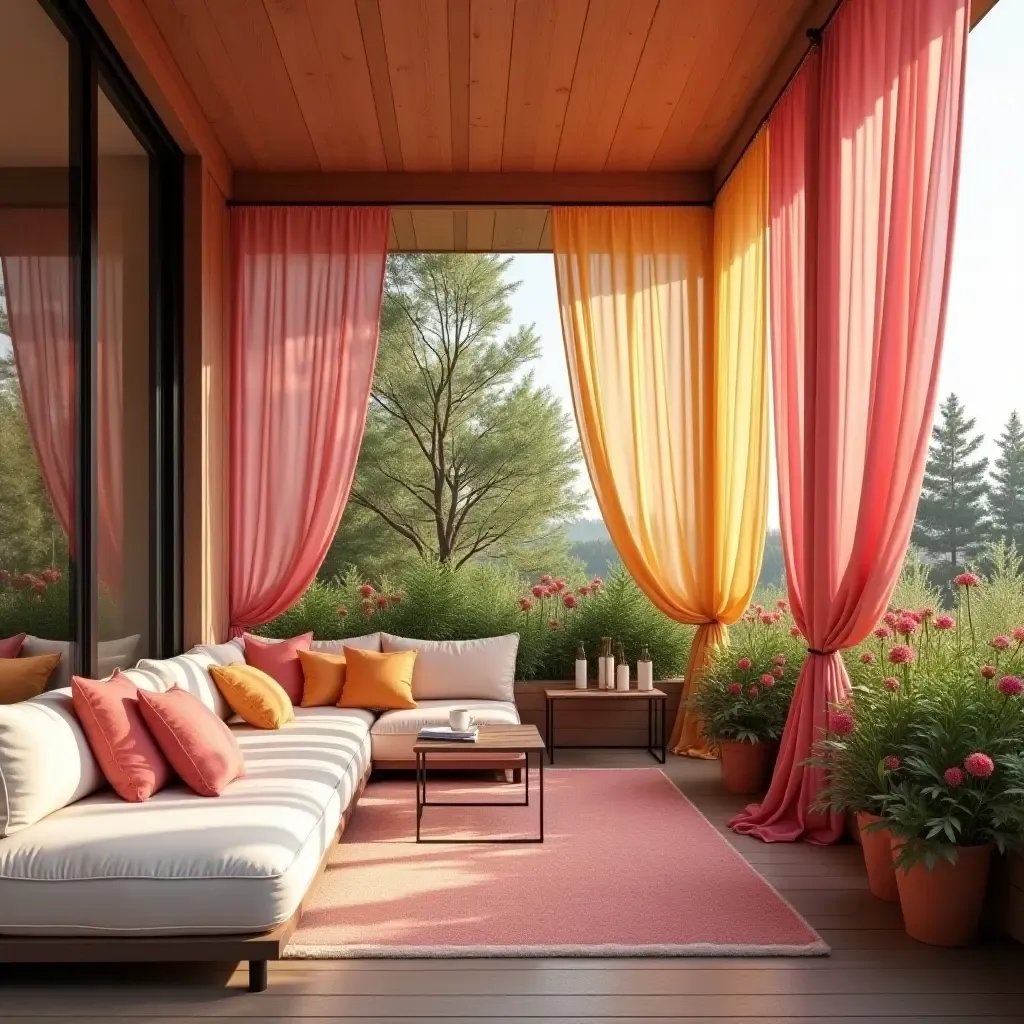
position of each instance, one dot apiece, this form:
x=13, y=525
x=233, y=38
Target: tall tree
x=951, y=524
x=1006, y=498
x=464, y=455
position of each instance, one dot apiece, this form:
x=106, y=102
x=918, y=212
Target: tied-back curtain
x=308, y=283
x=863, y=180
x=672, y=436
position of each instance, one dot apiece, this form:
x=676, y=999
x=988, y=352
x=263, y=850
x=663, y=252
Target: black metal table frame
x=655, y=729
x=422, y=801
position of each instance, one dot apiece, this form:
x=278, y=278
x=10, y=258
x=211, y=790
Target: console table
x=656, y=701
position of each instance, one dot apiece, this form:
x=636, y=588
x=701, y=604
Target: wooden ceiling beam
x=474, y=189
x=138, y=40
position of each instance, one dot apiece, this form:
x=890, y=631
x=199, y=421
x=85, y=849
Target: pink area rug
x=629, y=867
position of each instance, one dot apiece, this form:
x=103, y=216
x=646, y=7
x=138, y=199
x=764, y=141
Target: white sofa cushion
x=369, y=642
x=45, y=761
x=183, y=864
x=394, y=733
x=472, y=669
x=110, y=654
x=191, y=671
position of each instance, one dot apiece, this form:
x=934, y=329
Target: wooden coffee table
x=656, y=701
x=493, y=739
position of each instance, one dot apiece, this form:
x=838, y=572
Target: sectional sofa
x=86, y=876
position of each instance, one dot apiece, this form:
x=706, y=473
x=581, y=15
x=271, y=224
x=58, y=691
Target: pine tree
x=951, y=523
x=1006, y=500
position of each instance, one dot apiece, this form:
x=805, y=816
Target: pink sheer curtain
x=863, y=180
x=308, y=283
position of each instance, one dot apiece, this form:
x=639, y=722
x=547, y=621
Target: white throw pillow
x=369, y=642
x=452, y=669
x=191, y=671
x=110, y=654
x=45, y=760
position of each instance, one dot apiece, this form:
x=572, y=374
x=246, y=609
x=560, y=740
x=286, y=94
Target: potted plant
x=745, y=696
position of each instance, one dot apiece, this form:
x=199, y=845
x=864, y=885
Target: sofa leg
x=257, y=975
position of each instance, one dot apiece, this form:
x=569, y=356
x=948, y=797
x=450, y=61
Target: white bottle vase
x=609, y=673
x=622, y=677
x=581, y=673
x=600, y=672
x=645, y=675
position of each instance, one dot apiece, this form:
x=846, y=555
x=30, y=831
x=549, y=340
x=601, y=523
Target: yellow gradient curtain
x=664, y=318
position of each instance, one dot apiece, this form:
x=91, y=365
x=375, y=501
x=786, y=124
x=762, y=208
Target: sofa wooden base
x=257, y=949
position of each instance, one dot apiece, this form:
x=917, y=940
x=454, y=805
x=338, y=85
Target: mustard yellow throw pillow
x=255, y=696
x=25, y=678
x=324, y=678
x=380, y=682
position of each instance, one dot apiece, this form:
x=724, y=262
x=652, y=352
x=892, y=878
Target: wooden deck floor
x=875, y=972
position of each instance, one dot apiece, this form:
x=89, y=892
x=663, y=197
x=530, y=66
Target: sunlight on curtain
x=670, y=392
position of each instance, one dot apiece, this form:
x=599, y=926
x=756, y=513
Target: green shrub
x=436, y=602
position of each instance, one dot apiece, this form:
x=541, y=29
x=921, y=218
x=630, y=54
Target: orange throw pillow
x=25, y=678
x=260, y=700
x=325, y=679
x=380, y=682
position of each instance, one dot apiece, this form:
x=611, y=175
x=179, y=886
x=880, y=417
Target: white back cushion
x=45, y=760
x=110, y=654
x=369, y=642
x=191, y=671
x=449, y=669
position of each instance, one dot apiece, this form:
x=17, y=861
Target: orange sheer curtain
x=668, y=368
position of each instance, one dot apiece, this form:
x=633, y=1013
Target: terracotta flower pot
x=942, y=906
x=745, y=766
x=877, y=847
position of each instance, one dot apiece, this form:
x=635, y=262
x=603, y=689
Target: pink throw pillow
x=11, y=647
x=200, y=747
x=128, y=756
x=280, y=660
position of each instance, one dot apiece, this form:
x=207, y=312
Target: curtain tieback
x=814, y=650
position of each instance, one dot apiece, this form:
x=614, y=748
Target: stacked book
x=448, y=734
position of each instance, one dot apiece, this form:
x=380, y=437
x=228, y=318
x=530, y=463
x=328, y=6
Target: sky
x=983, y=356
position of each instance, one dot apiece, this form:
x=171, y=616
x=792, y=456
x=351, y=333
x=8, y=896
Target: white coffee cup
x=458, y=719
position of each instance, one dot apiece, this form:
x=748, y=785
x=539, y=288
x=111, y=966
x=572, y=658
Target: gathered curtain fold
x=308, y=284
x=863, y=182
x=670, y=395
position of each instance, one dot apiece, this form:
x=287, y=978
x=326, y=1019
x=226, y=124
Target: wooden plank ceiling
x=475, y=85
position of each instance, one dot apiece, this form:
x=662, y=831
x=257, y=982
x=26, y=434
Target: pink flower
x=1000, y=643
x=538, y=591
x=901, y=654
x=917, y=617
x=778, y=672
x=906, y=625
x=889, y=618
x=981, y=766
x=776, y=618
x=753, y=691
x=546, y=579
x=781, y=605
x=597, y=582
x=867, y=658
x=842, y=723
x=366, y=590
x=525, y=603
x=735, y=689
x=342, y=613
x=583, y=591
x=966, y=579
x=744, y=663
x=758, y=608
x=38, y=585
x=560, y=584
x=779, y=659
x=569, y=601
x=890, y=763
x=794, y=631
x=766, y=618
x=883, y=632
x=51, y=575
x=1018, y=634
x=382, y=601
x=927, y=613
x=891, y=683
x=944, y=622
x=553, y=623
x=953, y=777
x=988, y=671
x=767, y=679
x=1010, y=686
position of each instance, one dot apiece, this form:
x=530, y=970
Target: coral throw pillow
x=324, y=676
x=381, y=682
x=11, y=647
x=280, y=660
x=198, y=745
x=128, y=755
x=253, y=695
x=25, y=678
